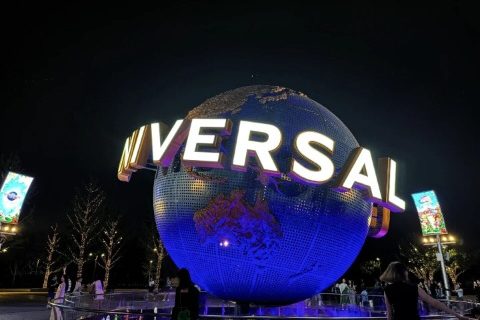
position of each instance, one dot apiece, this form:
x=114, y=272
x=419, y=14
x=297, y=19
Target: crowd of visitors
x=397, y=289
x=347, y=289
x=60, y=286
x=402, y=295
x=349, y=293
x=425, y=293
x=436, y=290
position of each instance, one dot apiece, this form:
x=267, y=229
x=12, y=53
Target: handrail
x=140, y=303
x=246, y=317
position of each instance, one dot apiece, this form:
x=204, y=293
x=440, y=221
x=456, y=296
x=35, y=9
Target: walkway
x=23, y=306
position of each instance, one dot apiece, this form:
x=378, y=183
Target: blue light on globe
x=252, y=238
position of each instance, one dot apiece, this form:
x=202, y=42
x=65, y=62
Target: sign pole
x=444, y=271
x=3, y=237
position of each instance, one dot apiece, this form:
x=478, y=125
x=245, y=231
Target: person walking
x=459, y=291
x=426, y=286
x=68, y=283
x=343, y=287
x=352, y=292
x=77, y=290
x=476, y=289
x=336, y=293
x=401, y=296
x=52, y=285
x=56, y=313
x=440, y=292
x=151, y=285
x=98, y=289
x=422, y=286
x=433, y=289
x=364, y=297
x=186, y=298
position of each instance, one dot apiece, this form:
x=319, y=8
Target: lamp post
x=444, y=271
x=95, y=264
x=439, y=241
x=5, y=231
x=378, y=266
x=150, y=271
x=433, y=223
x=3, y=239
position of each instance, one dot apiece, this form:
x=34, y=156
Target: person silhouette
x=186, y=297
x=56, y=313
x=401, y=296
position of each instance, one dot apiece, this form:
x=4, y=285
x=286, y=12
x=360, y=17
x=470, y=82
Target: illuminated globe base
x=251, y=238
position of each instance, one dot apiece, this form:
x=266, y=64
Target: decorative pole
x=444, y=271
x=432, y=223
x=3, y=237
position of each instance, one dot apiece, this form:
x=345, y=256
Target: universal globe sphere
x=252, y=238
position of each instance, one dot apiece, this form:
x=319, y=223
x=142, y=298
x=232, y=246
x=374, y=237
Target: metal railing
x=158, y=306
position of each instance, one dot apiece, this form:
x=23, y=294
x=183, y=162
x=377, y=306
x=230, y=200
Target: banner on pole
x=12, y=196
x=429, y=213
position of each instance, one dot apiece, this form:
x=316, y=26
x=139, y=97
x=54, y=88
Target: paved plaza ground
x=23, y=306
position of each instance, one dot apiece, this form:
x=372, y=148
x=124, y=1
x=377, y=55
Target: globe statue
x=253, y=238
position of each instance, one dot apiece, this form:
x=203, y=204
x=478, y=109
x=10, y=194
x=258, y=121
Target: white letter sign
x=195, y=138
x=359, y=172
x=245, y=147
x=303, y=144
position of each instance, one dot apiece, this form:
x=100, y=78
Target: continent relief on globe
x=230, y=219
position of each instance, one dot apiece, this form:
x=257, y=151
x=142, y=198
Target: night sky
x=79, y=79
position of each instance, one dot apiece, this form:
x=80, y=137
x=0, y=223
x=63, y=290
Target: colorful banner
x=429, y=212
x=12, y=195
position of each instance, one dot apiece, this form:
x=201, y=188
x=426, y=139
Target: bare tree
x=84, y=222
x=51, y=264
x=14, y=271
x=111, y=243
x=160, y=253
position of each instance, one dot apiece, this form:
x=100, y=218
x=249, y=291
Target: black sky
x=78, y=79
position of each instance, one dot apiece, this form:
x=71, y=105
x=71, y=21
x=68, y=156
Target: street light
x=441, y=241
x=6, y=230
x=150, y=270
x=95, y=265
x=444, y=240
